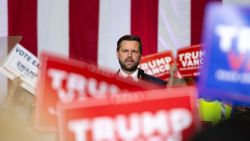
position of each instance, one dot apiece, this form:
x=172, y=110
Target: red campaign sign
x=164, y=114
x=65, y=80
x=157, y=64
x=189, y=60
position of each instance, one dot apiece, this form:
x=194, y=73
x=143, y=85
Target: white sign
x=21, y=62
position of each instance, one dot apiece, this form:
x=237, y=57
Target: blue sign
x=225, y=74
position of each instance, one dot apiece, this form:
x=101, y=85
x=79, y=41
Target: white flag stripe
x=173, y=24
x=114, y=21
x=3, y=78
x=3, y=18
x=53, y=26
x=3, y=50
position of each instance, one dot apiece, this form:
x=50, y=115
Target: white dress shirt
x=133, y=75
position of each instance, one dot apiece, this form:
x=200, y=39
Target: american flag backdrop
x=89, y=29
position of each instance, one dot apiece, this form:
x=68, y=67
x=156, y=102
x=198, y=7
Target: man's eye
x=125, y=51
x=135, y=51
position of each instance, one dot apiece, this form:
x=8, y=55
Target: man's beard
x=130, y=69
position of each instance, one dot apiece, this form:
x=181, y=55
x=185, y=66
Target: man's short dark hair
x=129, y=38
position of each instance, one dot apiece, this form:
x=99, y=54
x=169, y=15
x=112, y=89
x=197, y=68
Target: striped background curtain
x=89, y=29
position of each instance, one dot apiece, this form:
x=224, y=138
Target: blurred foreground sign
x=189, y=60
x=226, y=70
x=65, y=80
x=22, y=63
x=157, y=64
x=166, y=114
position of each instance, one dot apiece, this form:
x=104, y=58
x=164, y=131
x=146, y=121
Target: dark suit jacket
x=149, y=78
x=146, y=77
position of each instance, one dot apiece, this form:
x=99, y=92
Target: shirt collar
x=134, y=74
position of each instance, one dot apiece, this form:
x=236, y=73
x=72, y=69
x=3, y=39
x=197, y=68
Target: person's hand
x=16, y=82
x=173, y=70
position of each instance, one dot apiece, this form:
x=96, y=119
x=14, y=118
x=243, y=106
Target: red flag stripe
x=197, y=15
x=83, y=28
x=144, y=21
x=22, y=20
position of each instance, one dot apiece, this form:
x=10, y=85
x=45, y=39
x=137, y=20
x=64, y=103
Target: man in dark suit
x=129, y=52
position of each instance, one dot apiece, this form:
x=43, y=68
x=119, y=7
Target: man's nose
x=130, y=53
